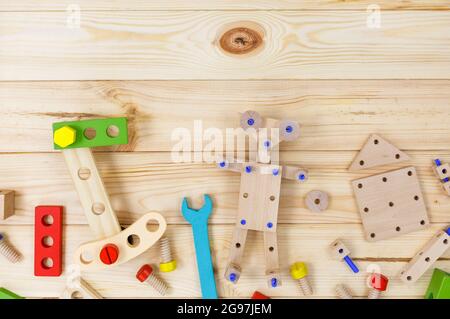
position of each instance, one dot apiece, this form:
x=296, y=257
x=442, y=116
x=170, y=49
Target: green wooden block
x=6, y=294
x=439, y=287
x=90, y=133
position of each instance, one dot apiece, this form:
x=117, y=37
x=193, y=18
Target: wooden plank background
x=157, y=62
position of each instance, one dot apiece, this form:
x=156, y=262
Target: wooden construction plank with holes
x=165, y=64
x=424, y=259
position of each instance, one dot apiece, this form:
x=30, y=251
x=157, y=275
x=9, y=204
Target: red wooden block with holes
x=48, y=241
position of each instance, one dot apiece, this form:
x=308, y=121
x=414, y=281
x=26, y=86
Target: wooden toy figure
x=260, y=190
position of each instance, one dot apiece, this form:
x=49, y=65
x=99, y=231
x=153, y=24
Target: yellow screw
x=65, y=136
x=167, y=264
x=299, y=272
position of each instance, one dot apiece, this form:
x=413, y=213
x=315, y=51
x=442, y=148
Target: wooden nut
x=338, y=250
x=317, y=201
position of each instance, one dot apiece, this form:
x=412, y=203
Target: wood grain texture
x=335, y=115
x=311, y=68
x=86, y=5
x=119, y=45
x=141, y=182
x=307, y=243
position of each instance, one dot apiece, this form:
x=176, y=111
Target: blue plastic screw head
x=269, y=225
x=233, y=277
x=243, y=222
x=274, y=282
x=289, y=129
x=250, y=121
x=437, y=161
x=448, y=231
x=267, y=144
x=301, y=177
x=222, y=164
x=275, y=171
x=445, y=180
x=248, y=169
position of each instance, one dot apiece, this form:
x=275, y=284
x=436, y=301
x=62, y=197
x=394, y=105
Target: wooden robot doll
x=260, y=190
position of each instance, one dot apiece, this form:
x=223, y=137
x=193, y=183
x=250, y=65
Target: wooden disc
x=317, y=201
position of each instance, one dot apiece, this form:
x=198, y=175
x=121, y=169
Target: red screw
x=145, y=274
x=379, y=284
x=109, y=254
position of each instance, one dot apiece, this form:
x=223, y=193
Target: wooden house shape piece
x=376, y=152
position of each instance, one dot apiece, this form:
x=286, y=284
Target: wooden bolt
x=167, y=263
x=80, y=290
x=343, y=292
x=8, y=251
x=145, y=274
x=299, y=272
x=109, y=254
x=378, y=284
x=65, y=136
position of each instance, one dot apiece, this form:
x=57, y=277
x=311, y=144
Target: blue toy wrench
x=199, y=221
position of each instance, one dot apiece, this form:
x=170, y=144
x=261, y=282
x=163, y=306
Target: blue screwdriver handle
x=351, y=264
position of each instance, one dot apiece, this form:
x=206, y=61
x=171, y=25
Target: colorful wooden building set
x=390, y=204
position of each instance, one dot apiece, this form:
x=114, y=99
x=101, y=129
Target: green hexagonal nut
x=65, y=136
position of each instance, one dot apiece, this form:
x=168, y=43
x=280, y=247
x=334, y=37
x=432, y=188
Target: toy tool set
x=390, y=204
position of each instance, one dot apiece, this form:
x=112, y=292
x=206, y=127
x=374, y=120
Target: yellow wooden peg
x=65, y=136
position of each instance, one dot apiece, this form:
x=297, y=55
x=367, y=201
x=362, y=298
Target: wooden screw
x=145, y=274
x=378, y=284
x=343, y=292
x=299, y=272
x=8, y=251
x=167, y=263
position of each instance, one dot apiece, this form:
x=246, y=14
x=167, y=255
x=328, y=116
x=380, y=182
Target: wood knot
x=241, y=40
